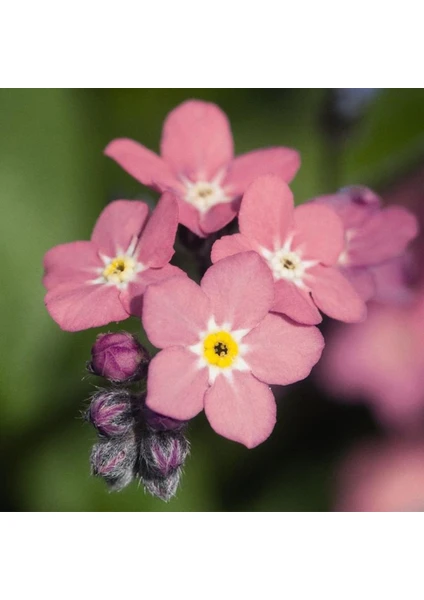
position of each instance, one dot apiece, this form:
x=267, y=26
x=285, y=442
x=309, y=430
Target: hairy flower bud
x=111, y=413
x=163, y=488
x=159, y=422
x=115, y=461
x=162, y=453
x=118, y=357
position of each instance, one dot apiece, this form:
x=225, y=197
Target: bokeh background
x=325, y=453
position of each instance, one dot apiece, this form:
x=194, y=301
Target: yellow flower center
x=220, y=349
x=120, y=269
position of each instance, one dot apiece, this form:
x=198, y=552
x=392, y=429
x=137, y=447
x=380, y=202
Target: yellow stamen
x=119, y=269
x=220, y=349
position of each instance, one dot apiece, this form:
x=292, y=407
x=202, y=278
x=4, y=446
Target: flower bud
x=164, y=488
x=359, y=194
x=162, y=453
x=115, y=461
x=118, y=357
x=110, y=412
x=159, y=422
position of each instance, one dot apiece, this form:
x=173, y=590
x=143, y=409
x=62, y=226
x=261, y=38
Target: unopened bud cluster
x=134, y=442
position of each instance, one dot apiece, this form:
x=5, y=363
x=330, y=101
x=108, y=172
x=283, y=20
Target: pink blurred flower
x=90, y=284
x=221, y=348
x=382, y=477
x=380, y=361
x=300, y=247
x=373, y=235
x=197, y=163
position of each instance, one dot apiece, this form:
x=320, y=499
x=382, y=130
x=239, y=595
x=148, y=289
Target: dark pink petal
x=229, y=245
x=156, y=245
x=175, y=312
x=176, y=386
x=319, y=233
x=244, y=169
x=196, y=140
x=240, y=289
x=266, y=212
x=74, y=262
x=362, y=279
x=383, y=236
x=119, y=223
x=335, y=296
x=143, y=164
x=295, y=303
x=281, y=352
x=81, y=306
x=218, y=216
x=132, y=297
x=241, y=409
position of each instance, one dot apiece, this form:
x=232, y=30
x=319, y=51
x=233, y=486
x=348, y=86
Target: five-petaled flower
x=197, y=164
x=93, y=283
x=221, y=348
x=373, y=235
x=301, y=247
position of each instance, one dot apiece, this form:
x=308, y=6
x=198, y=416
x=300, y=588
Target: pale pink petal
x=218, y=216
x=190, y=217
x=156, y=245
x=81, y=306
x=383, y=236
x=176, y=386
x=295, y=303
x=354, y=205
x=229, y=245
x=76, y=262
x=281, y=352
x=319, y=233
x=280, y=161
x=143, y=164
x=266, y=212
x=175, y=312
x=241, y=409
x=132, y=296
x=241, y=290
x=119, y=223
x=335, y=296
x=197, y=140
x=362, y=279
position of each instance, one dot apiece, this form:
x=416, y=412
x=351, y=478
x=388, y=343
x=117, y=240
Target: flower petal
x=76, y=262
x=190, y=217
x=266, y=212
x=335, y=296
x=132, y=296
x=229, y=245
x=382, y=237
x=197, y=140
x=218, y=216
x=175, y=312
x=241, y=290
x=245, y=168
x=362, y=279
x=143, y=164
x=156, y=245
x=81, y=306
x=319, y=233
x=176, y=386
x=241, y=409
x=295, y=303
x=119, y=223
x=281, y=352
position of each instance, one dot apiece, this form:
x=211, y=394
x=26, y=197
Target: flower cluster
x=247, y=322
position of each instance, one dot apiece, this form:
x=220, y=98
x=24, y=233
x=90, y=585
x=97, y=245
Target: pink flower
x=373, y=235
x=197, y=164
x=382, y=477
x=90, y=284
x=300, y=247
x=221, y=348
x=381, y=362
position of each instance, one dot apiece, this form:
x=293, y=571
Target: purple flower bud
x=359, y=194
x=110, y=412
x=164, y=488
x=159, y=422
x=115, y=461
x=118, y=357
x=162, y=453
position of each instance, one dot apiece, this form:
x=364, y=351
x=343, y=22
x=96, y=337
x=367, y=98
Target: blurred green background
x=54, y=181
